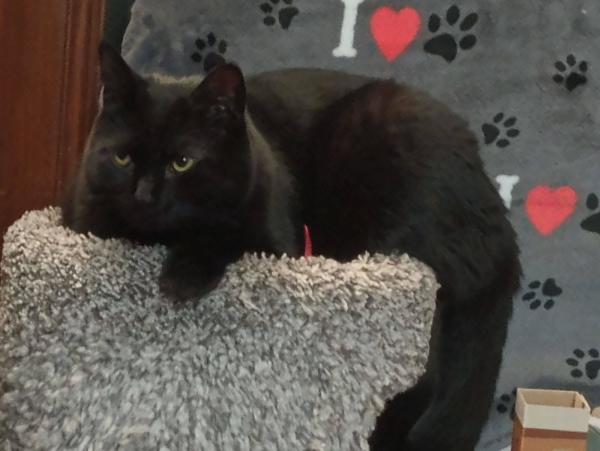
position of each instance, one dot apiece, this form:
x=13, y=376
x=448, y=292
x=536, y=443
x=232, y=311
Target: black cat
x=226, y=166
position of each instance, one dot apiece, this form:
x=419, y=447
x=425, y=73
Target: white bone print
x=507, y=183
x=346, y=47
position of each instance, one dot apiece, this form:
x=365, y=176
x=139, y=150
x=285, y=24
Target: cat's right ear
x=224, y=84
x=119, y=82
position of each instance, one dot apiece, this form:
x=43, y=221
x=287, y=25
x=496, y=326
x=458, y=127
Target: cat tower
x=285, y=354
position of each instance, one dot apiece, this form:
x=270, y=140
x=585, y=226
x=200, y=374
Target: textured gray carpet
x=286, y=354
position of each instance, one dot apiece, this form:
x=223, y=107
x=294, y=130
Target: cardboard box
x=550, y=420
x=594, y=434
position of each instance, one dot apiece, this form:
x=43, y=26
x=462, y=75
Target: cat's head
x=168, y=155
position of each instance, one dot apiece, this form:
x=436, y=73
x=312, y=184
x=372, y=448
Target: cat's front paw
x=185, y=276
x=179, y=288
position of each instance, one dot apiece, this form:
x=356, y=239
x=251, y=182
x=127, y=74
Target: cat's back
x=404, y=167
x=304, y=105
x=295, y=99
x=291, y=97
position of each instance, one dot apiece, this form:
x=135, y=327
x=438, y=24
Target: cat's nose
x=143, y=191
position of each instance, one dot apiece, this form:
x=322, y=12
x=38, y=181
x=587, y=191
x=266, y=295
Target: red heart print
x=394, y=31
x=549, y=208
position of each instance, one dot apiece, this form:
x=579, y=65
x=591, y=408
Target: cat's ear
x=118, y=80
x=224, y=84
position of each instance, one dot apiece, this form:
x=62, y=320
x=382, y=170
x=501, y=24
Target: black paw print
x=549, y=290
x=592, y=366
x=491, y=132
x=592, y=222
x=285, y=15
x=445, y=44
x=575, y=77
x=506, y=403
x=210, y=51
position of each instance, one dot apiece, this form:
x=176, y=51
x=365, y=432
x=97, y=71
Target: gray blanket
x=287, y=354
x=526, y=76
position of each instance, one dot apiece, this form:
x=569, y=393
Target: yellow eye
x=121, y=161
x=182, y=164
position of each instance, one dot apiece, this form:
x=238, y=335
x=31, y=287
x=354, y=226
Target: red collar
x=308, y=248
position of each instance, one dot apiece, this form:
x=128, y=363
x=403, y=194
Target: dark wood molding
x=49, y=82
x=80, y=84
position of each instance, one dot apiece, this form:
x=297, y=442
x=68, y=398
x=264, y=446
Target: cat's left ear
x=119, y=81
x=224, y=84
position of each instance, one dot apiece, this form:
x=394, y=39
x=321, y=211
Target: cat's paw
x=180, y=289
x=185, y=276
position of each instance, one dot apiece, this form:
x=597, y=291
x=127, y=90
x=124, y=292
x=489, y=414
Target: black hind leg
x=464, y=361
x=400, y=415
x=467, y=354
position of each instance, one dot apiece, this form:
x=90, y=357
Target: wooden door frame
x=50, y=86
x=80, y=85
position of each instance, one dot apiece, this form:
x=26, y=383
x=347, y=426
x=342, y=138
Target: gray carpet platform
x=287, y=354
